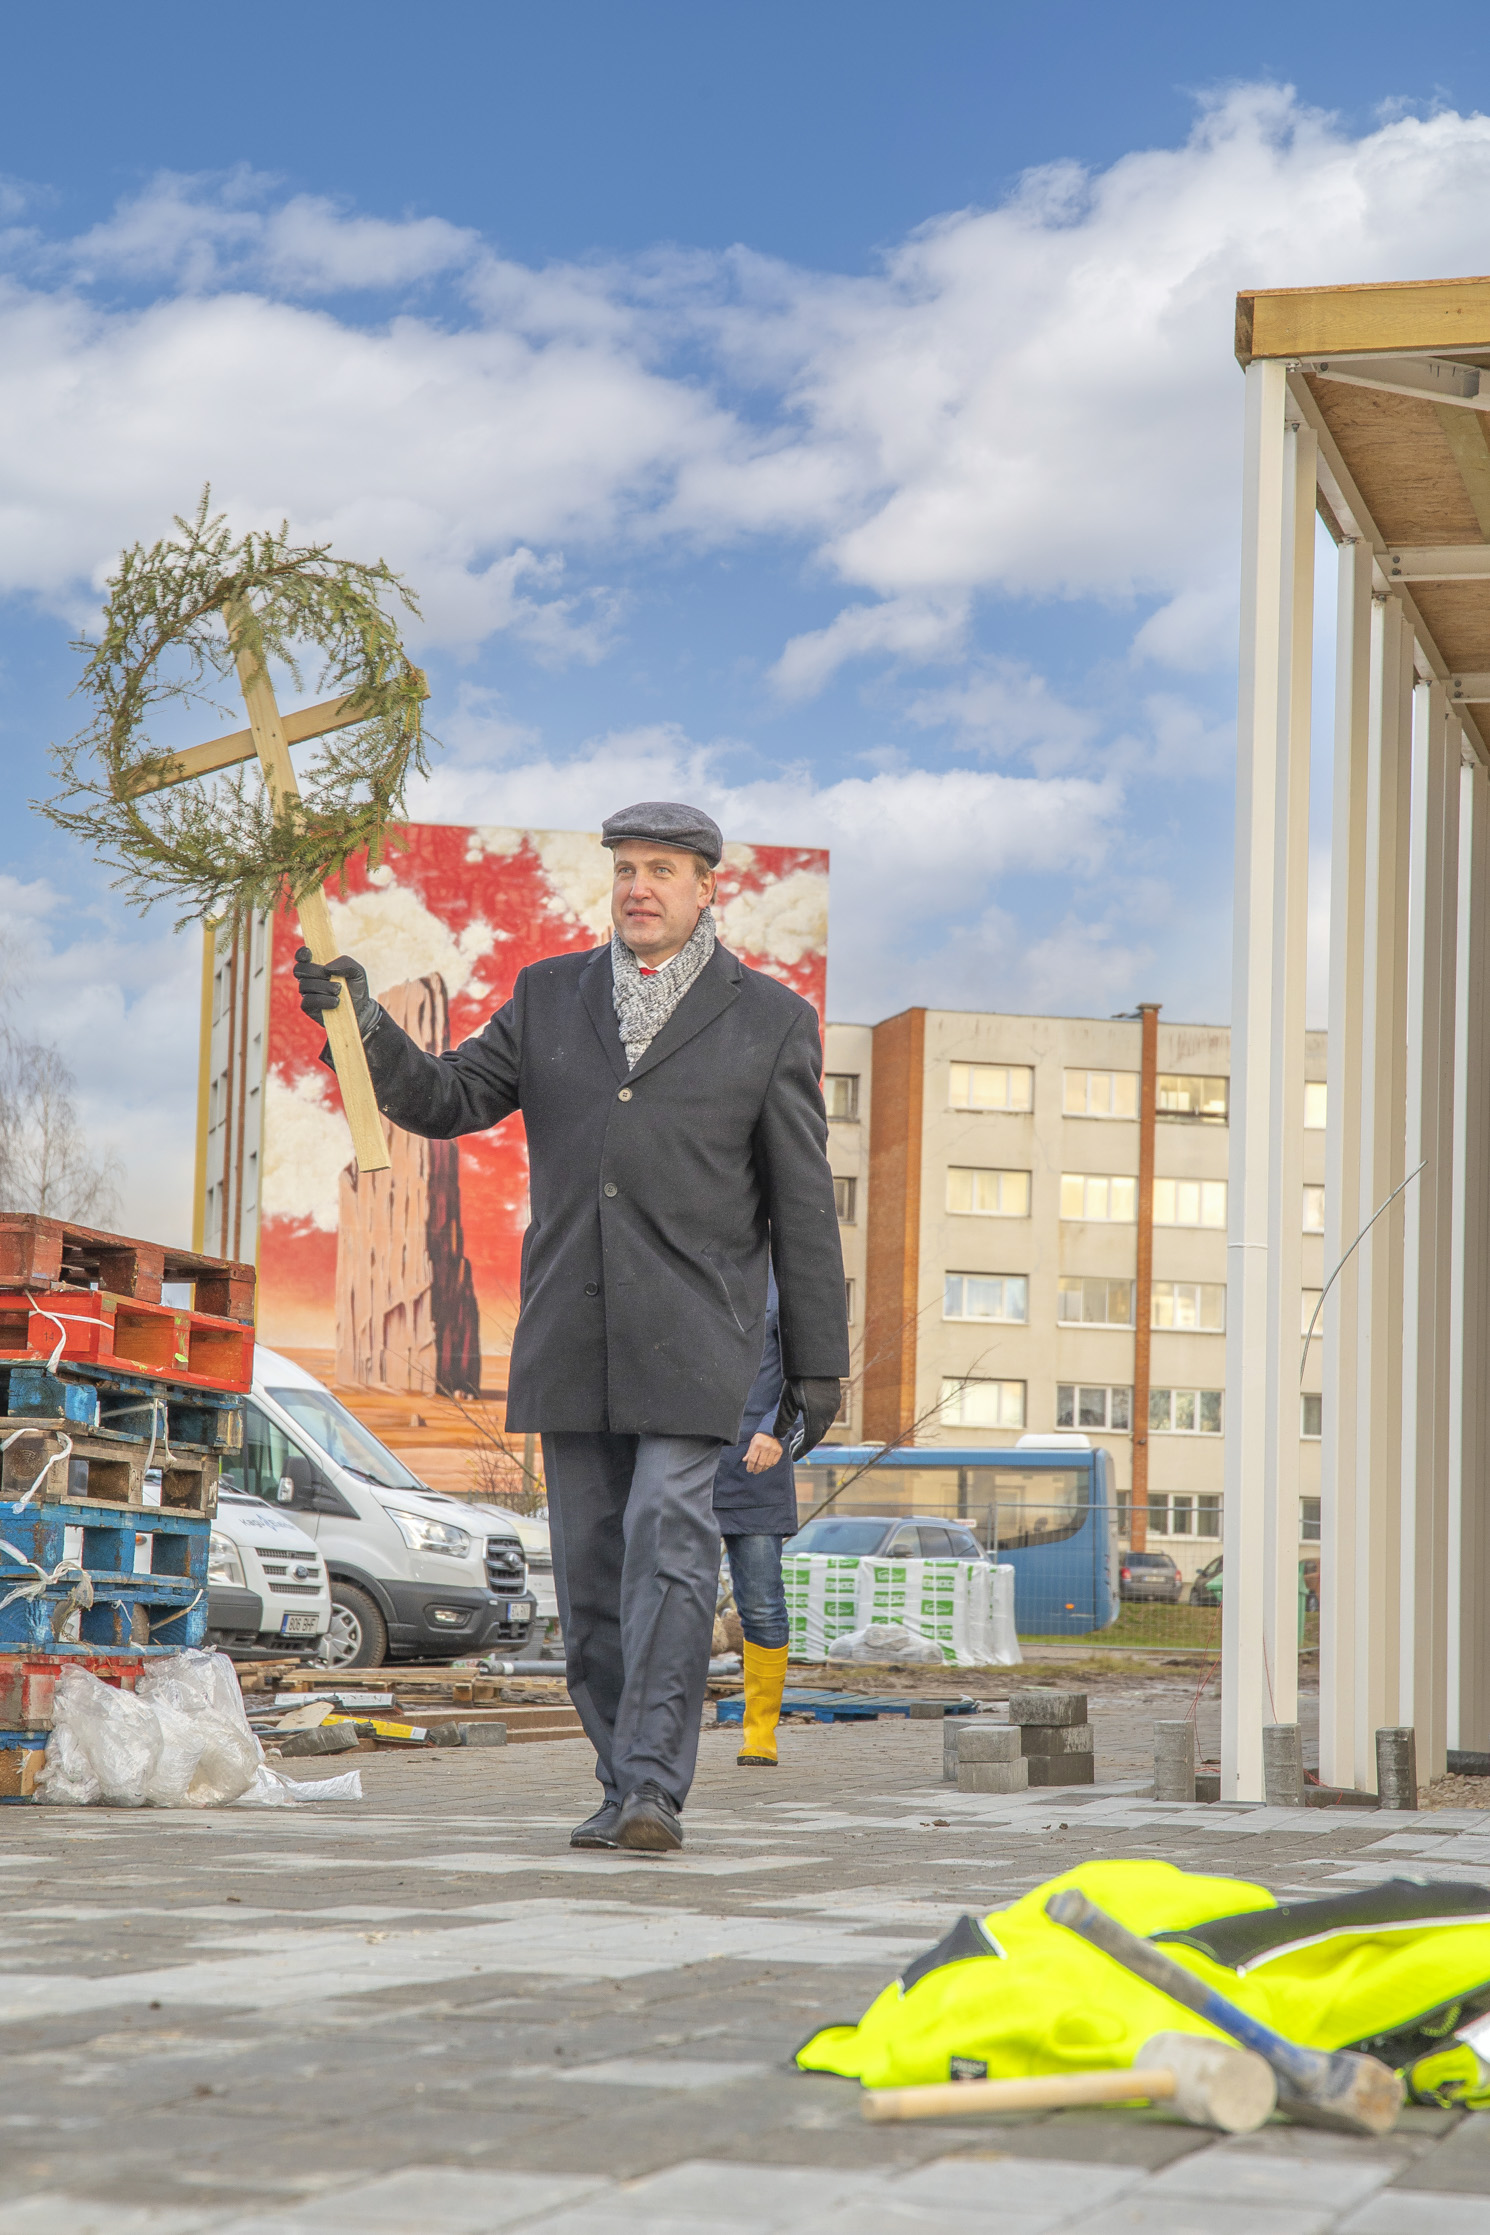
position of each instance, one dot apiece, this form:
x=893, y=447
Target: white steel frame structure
x=1357, y=394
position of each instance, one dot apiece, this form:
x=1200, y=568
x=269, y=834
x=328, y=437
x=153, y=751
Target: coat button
x=592, y=1288
x=624, y=1095
x=610, y=1187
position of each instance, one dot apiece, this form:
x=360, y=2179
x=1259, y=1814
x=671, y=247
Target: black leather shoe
x=598, y=1830
x=649, y=1822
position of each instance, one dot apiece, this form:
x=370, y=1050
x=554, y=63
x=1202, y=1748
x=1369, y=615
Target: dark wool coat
x=764, y=1505
x=657, y=1195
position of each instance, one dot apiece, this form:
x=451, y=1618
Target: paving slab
x=426, y=2012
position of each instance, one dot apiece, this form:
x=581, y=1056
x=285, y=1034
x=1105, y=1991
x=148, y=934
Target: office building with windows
x=987, y=1174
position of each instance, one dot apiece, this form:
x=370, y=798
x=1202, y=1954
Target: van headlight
x=430, y=1536
x=223, y=1563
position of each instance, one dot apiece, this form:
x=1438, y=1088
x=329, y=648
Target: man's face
x=657, y=896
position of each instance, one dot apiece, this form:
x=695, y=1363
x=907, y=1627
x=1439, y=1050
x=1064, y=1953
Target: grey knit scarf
x=643, y=1005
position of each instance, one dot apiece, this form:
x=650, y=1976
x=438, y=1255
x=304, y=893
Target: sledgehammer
x=1208, y=2082
x=1339, y=2089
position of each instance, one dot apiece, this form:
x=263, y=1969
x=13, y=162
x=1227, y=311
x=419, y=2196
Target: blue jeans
x=760, y=1601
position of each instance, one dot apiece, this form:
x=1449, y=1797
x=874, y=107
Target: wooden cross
x=269, y=736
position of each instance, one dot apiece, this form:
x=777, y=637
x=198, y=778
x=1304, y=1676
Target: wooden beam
x=1466, y=435
x=238, y=745
x=1317, y=321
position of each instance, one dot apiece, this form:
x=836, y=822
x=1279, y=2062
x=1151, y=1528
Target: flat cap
x=667, y=823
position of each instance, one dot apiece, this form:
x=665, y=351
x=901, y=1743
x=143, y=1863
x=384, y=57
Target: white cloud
x=1005, y=708
x=918, y=629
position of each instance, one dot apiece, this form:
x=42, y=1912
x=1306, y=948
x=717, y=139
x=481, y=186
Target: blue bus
x=1048, y=1507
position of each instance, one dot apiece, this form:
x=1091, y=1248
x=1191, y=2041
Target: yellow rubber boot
x=765, y=1680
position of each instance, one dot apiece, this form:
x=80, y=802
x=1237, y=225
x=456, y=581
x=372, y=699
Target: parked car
x=267, y=1587
x=413, y=1573
x=887, y=1536
x=1149, y=1575
x=1206, y=1589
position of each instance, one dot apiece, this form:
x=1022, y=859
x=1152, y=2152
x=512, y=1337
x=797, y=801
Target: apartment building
x=986, y=1169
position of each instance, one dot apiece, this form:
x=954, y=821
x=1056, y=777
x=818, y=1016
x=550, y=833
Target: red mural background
x=471, y=905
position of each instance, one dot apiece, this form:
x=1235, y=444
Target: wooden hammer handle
x=1050, y=2091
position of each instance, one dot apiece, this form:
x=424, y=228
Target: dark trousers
x=760, y=1600
x=636, y=1570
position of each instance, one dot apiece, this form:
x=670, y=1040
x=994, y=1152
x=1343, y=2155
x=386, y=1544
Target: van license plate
x=514, y=1610
x=298, y=1625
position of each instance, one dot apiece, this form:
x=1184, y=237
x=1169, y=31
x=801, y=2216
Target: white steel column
x=1469, y=1403
x=1339, y=1455
x=1259, y=1654
x=1428, y=1228
x=1382, y=1092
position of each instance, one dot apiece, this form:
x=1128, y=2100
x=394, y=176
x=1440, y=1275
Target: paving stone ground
x=424, y=2015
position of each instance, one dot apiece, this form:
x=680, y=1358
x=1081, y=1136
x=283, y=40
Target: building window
x=848, y=1301
x=1004, y=1296
x=1101, y=1196
x=845, y=1196
x=1184, y=1515
x=982, y=1404
x=1308, y=1306
x=988, y=1194
x=1190, y=1203
x=992, y=1086
x=1105, y=1094
x=1314, y=1105
x=1095, y=1303
x=1308, y=1520
x=1185, y=1412
x=1178, y=1094
x=841, y=1094
x=1313, y=1210
x=1189, y=1306
x=1077, y=1406
x=1311, y=1414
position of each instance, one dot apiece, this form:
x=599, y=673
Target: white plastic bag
x=181, y=1740
x=885, y=1642
x=105, y=1744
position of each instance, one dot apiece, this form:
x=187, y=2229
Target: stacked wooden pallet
x=431, y=1700
x=116, y=1409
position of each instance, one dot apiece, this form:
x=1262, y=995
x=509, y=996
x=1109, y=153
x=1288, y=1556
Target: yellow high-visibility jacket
x=1401, y=1970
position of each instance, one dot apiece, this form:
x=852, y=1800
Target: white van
x=267, y=1586
x=413, y=1574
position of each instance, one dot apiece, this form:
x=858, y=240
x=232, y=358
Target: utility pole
x=1143, y=1286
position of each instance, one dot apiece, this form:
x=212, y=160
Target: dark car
x=886, y=1536
x=1149, y=1575
x=1206, y=1589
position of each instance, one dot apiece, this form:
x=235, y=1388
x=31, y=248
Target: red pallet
x=54, y=1255
x=124, y=1335
x=28, y=1682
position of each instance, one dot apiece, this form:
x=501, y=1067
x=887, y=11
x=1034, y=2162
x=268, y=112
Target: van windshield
x=343, y=1438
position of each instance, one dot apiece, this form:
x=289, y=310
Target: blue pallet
x=840, y=1707
x=173, y=1596
x=140, y=1406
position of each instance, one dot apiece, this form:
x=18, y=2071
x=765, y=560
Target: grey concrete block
x=1061, y=1769
x=481, y=1734
x=994, y=1777
x=331, y=1738
x=988, y=1742
x=1174, y=1760
x=949, y=1751
x=1058, y=1738
x=1047, y=1707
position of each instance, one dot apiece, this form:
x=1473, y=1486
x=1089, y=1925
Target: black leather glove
x=807, y=1411
x=319, y=990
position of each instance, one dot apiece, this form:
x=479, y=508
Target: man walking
x=677, y=1145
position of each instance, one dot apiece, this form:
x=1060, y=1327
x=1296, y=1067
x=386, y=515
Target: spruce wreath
x=182, y=612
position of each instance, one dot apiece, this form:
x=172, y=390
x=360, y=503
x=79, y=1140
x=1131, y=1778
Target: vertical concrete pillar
x=1428, y=1228
x=1382, y=1091
x=1259, y=1649
x=1339, y=1454
x=1469, y=1399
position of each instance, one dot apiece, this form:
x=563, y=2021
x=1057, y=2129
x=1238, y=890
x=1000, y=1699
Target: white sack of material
x=180, y=1740
x=884, y=1642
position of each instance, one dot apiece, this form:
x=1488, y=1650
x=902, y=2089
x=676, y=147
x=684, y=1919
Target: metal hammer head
x=1215, y=2083
x=1351, y=2094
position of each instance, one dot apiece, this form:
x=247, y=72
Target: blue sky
x=825, y=413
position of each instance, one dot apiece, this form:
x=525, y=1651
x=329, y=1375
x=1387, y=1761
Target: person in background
x=755, y=1505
